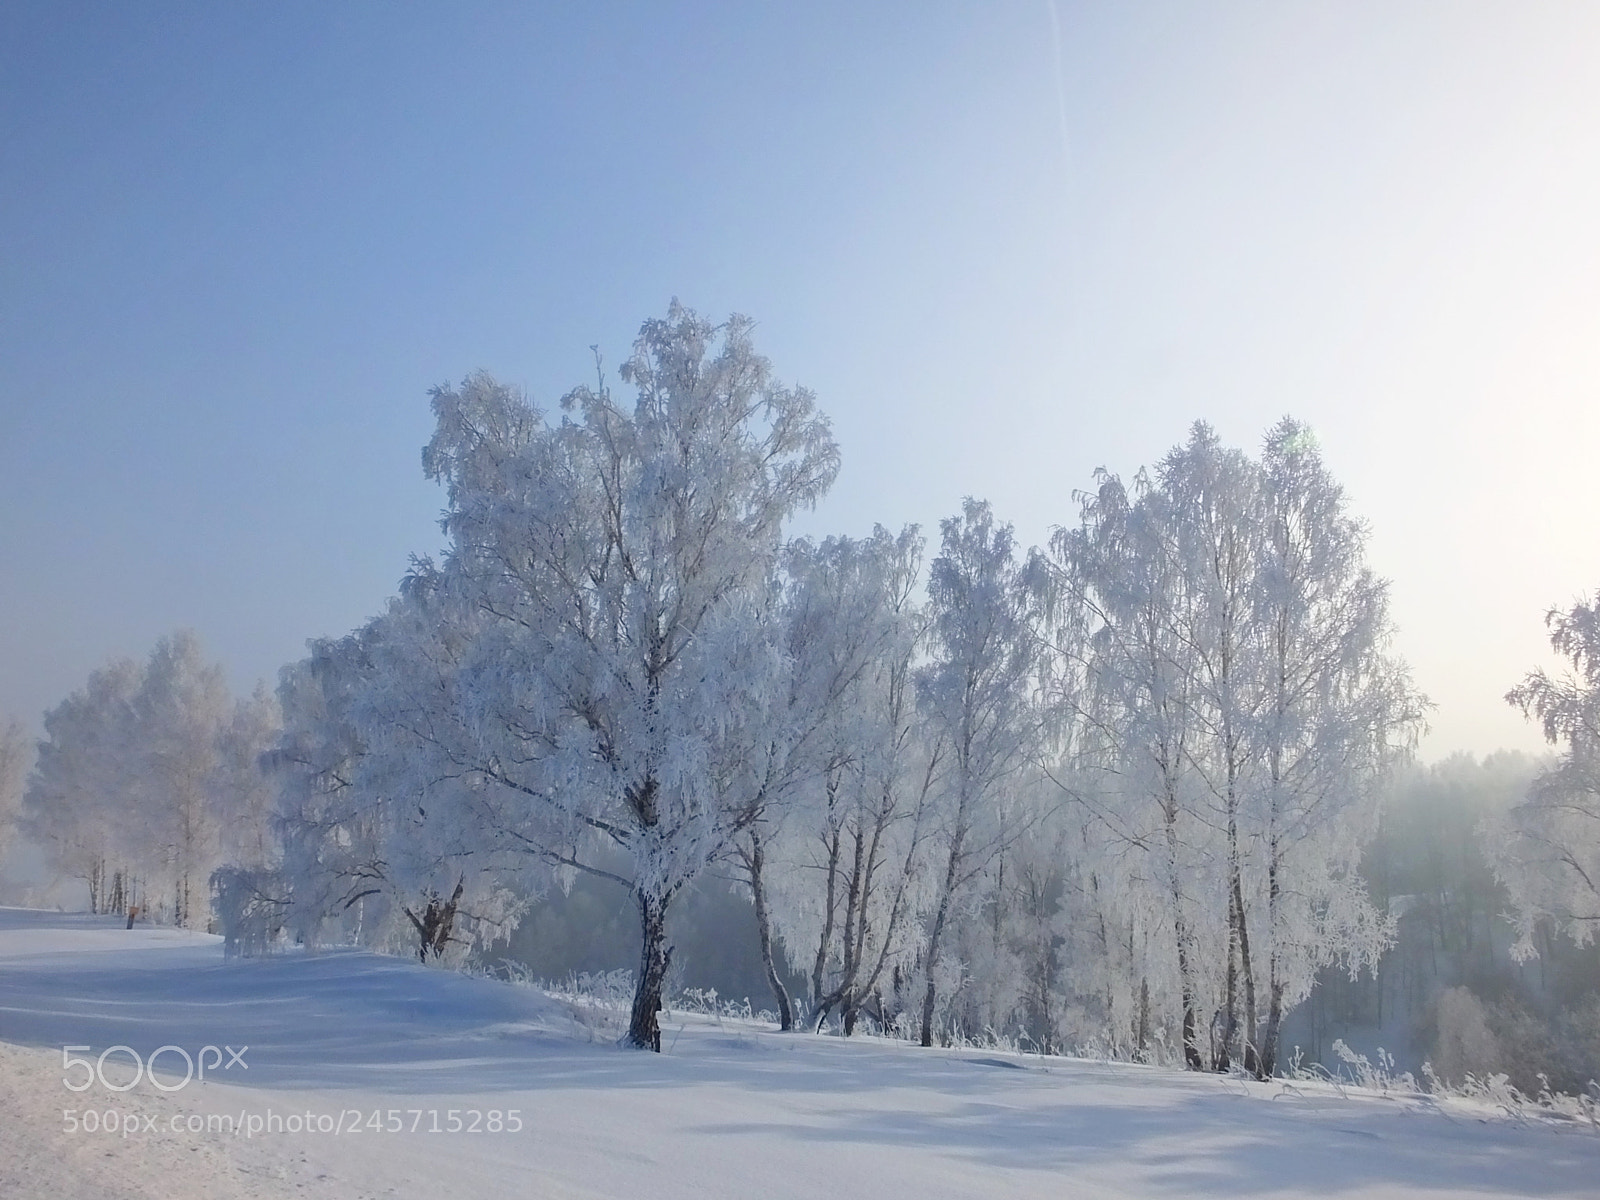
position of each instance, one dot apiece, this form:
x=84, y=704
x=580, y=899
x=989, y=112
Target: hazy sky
x=1004, y=243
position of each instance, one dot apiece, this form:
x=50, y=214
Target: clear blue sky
x=1004, y=243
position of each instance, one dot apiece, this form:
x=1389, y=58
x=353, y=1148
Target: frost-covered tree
x=830, y=626
x=393, y=835
x=1211, y=491
x=845, y=852
x=976, y=696
x=16, y=757
x=1026, y=922
x=146, y=778
x=1546, y=851
x=1239, y=711
x=330, y=837
x=1120, y=589
x=462, y=853
x=71, y=807
x=1338, y=714
x=1004, y=936
x=622, y=562
x=243, y=793
x=179, y=713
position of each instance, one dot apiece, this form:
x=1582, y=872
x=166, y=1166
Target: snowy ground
x=731, y=1111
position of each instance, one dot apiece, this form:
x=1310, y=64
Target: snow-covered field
x=732, y=1110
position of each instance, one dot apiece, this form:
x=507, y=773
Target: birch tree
x=1339, y=713
x=394, y=836
x=134, y=790
x=976, y=694
x=71, y=806
x=178, y=715
x=1240, y=713
x=1546, y=851
x=621, y=562
x=1119, y=574
x=243, y=794
x=1211, y=491
x=848, y=854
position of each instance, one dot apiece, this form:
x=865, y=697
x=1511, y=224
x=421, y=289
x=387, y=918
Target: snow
x=731, y=1110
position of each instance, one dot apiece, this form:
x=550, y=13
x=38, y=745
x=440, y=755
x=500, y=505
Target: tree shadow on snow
x=351, y=1020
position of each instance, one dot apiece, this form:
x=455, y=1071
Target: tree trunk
x=1251, y=1059
x=1269, y=1042
x=952, y=869
x=436, y=923
x=825, y=939
x=1191, y=1049
x=854, y=894
x=758, y=894
x=929, y=997
x=865, y=985
x=1144, y=1019
x=860, y=982
x=180, y=901
x=655, y=956
x=1230, y=997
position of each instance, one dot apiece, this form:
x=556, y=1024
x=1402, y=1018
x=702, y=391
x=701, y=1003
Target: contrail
x=1061, y=81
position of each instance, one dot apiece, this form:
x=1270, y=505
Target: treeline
x=1453, y=989
x=1114, y=790
x=149, y=779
